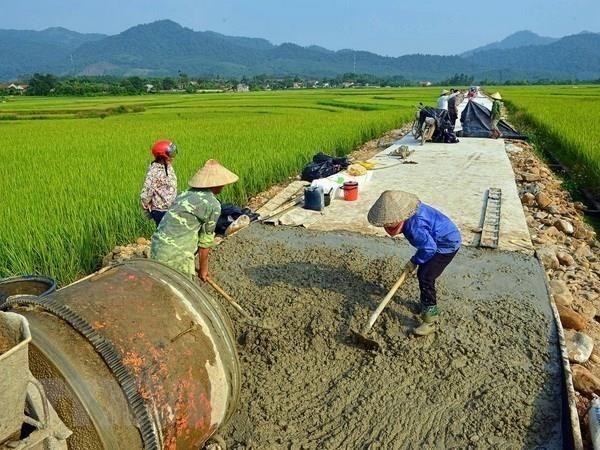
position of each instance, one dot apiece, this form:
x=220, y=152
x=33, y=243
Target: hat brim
x=212, y=174
x=393, y=207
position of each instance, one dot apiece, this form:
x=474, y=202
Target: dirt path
x=489, y=379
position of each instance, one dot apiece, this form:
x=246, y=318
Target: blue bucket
x=314, y=198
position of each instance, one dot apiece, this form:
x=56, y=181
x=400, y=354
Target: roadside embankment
x=568, y=249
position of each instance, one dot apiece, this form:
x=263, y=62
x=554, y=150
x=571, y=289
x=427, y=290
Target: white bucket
x=14, y=367
x=594, y=420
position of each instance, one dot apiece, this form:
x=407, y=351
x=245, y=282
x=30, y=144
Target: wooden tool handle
x=218, y=288
x=249, y=319
x=385, y=301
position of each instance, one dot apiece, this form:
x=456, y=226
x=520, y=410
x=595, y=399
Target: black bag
x=323, y=166
x=339, y=160
x=230, y=212
x=442, y=122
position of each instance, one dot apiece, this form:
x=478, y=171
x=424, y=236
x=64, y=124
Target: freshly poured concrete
x=491, y=376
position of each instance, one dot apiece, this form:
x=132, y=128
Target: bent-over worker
x=436, y=238
x=189, y=224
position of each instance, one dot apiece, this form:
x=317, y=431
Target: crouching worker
x=189, y=224
x=435, y=237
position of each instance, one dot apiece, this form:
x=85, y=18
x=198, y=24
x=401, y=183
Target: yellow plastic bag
x=356, y=170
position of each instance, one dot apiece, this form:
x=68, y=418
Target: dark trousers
x=157, y=215
x=452, y=115
x=428, y=273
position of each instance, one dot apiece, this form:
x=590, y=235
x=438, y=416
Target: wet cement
x=489, y=378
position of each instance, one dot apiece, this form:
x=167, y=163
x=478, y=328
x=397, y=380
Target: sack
x=237, y=224
x=314, y=171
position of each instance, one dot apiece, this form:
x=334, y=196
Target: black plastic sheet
x=475, y=120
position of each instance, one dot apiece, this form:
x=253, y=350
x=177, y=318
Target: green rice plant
x=560, y=119
x=71, y=182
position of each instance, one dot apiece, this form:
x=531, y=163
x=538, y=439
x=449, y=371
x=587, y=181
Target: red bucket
x=350, y=190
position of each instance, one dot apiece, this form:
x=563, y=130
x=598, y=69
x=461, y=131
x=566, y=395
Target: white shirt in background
x=442, y=102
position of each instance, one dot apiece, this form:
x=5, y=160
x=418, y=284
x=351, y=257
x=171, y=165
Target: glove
x=410, y=267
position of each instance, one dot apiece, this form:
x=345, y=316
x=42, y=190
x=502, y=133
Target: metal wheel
x=416, y=129
x=426, y=132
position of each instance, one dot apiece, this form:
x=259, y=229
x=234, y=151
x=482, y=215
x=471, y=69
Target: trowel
x=361, y=338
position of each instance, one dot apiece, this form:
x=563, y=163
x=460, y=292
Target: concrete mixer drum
x=135, y=356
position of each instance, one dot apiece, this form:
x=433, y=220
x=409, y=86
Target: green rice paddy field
x=561, y=120
x=72, y=168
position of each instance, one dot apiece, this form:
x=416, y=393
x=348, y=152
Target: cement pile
x=490, y=378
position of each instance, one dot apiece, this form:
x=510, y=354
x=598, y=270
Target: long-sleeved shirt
x=442, y=102
x=495, y=113
x=452, y=102
x=430, y=232
x=160, y=187
x=188, y=224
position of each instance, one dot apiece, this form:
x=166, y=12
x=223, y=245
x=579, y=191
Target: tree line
x=51, y=85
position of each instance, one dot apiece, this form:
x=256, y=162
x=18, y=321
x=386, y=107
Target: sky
x=384, y=27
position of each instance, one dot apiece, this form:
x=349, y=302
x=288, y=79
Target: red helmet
x=164, y=149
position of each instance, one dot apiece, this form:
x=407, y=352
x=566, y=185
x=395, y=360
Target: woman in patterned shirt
x=160, y=186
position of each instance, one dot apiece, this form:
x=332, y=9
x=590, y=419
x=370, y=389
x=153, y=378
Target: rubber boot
x=430, y=317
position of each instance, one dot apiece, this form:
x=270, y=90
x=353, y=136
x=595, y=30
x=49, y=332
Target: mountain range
x=165, y=48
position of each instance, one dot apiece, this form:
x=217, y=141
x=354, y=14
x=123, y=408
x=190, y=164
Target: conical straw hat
x=392, y=207
x=445, y=91
x=212, y=174
x=496, y=96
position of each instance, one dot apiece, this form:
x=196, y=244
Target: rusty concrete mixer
x=134, y=356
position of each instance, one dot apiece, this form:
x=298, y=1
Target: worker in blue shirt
x=434, y=235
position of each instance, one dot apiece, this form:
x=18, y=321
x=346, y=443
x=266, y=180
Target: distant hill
x=26, y=51
x=56, y=36
x=576, y=56
x=515, y=40
x=165, y=48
